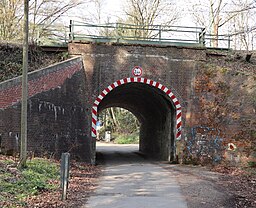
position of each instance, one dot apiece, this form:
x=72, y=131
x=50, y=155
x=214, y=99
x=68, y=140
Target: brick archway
x=152, y=83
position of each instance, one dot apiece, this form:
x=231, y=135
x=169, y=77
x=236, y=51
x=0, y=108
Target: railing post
x=160, y=35
x=117, y=33
x=202, y=36
x=71, y=30
x=229, y=40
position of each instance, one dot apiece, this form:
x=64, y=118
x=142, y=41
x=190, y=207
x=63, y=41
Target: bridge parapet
x=146, y=34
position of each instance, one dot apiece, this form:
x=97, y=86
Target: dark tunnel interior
x=156, y=113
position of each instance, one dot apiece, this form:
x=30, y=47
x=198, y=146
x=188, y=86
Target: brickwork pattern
x=12, y=95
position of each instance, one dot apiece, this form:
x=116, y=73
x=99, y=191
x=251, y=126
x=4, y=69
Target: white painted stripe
x=148, y=81
x=178, y=120
x=100, y=97
x=160, y=86
x=135, y=79
x=110, y=88
x=154, y=84
x=178, y=138
x=175, y=100
x=93, y=135
x=115, y=83
x=165, y=89
x=170, y=94
x=96, y=102
x=129, y=79
x=94, y=117
x=94, y=108
x=142, y=80
x=178, y=112
x=178, y=106
x=105, y=92
x=122, y=81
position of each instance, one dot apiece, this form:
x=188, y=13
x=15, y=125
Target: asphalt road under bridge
x=131, y=180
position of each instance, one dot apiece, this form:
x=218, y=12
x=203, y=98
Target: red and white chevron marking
x=139, y=80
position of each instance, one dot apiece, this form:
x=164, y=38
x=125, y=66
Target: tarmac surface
x=130, y=181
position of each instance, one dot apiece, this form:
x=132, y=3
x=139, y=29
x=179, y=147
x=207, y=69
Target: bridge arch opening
x=155, y=106
x=118, y=125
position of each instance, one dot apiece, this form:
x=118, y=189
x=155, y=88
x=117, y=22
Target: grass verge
x=39, y=176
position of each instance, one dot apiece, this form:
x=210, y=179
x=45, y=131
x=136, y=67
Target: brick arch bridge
x=65, y=98
x=160, y=117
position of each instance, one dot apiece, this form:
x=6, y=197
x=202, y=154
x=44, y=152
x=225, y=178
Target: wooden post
x=24, y=100
x=64, y=174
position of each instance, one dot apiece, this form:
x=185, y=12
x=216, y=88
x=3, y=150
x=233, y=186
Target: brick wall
x=57, y=116
x=61, y=97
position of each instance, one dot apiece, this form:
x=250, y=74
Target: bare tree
x=10, y=19
x=44, y=13
x=244, y=26
x=216, y=14
x=149, y=12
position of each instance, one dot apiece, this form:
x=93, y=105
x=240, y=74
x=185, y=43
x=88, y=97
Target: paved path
x=129, y=181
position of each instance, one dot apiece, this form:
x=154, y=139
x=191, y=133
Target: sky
x=112, y=9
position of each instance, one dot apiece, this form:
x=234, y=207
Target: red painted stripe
x=151, y=82
x=178, y=116
x=178, y=109
x=177, y=102
x=178, y=134
x=108, y=90
x=132, y=79
x=102, y=94
x=178, y=125
x=125, y=80
x=168, y=92
x=118, y=82
x=145, y=81
x=94, y=121
x=163, y=87
x=94, y=130
x=139, y=79
x=112, y=85
x=173, y=97
x=94, y=111
x=98, y=99
x=157, y=84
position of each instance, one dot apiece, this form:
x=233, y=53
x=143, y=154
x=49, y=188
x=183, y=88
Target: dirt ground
x=216, y=187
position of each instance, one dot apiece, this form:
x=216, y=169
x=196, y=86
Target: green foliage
x=252, y=164
x=127, y=139
x=119, y=120
x=124, y=126
x=30, y=181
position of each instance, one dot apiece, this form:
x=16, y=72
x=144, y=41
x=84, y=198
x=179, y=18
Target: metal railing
x=145, y=34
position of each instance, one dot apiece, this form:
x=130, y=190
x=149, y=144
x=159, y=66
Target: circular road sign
x=137, y=71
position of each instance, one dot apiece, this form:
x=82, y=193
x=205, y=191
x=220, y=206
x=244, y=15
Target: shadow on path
x=131, y=181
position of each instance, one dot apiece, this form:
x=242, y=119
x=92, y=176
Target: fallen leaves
x=83, y=178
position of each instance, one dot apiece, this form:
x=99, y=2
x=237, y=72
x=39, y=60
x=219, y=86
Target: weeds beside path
x=38, y=184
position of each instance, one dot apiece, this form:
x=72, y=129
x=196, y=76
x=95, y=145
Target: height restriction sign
x=137, y=71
